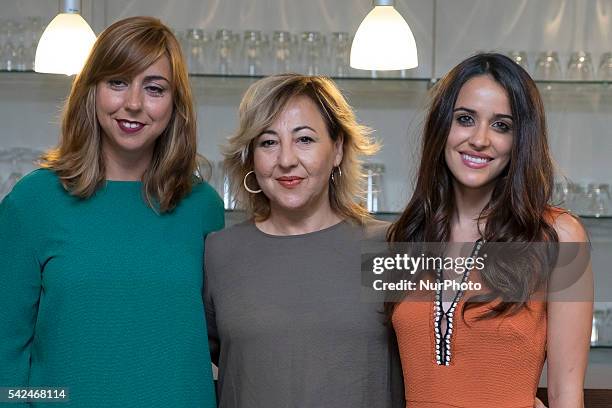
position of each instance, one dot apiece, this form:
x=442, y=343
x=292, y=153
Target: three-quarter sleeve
x=209, y=305
x=215, y=221
x=20, y=287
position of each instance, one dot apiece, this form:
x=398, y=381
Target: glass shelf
x=393, y=215
x=358, y=78
x=34, y=79
x=370, y=89
x=361, y=84
x=248, y=78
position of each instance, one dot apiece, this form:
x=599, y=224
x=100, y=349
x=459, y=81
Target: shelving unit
x=599, y=225
x=578, y=113
x=384, y=96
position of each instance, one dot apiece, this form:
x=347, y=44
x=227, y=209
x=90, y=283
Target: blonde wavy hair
x=259, y=108
x=125, y=49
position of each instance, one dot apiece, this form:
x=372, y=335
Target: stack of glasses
x=587, y=199
x=18, y=41
x=14, y=163
x=256, y=53
x=579, y=66
x=601, y=334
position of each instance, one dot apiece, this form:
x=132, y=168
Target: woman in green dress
x=102, y=248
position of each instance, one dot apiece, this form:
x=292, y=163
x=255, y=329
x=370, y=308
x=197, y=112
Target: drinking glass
x=33, y=32
x=520, y=57
x=374, y=192
x=311, y=52
x=21, y=47
x=253, y=49
x=547, y=66
x=223, y=186
x=604, y=72
x=606, y=328
x=196, y=44
x=224, y=52
x=577, y=201
x=596, y=204
x=8, y=53
x=596, y=327
x=560, y=194
x=282, y=52
x=580, y=67
x=604, y=202
x=14, y=163
x=340, y=52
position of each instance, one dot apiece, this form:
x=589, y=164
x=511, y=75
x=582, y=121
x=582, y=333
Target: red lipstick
x=129, y=126
x=289, y=181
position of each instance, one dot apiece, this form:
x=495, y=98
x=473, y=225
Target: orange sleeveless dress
x=482, y=364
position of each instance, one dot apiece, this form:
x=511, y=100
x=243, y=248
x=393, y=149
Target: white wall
x=579, y=121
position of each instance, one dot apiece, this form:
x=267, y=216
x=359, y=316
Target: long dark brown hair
x=518, y=210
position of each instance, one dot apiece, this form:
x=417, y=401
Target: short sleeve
x=20, y=287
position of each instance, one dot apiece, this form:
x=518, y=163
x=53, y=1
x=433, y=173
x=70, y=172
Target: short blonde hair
x=124, y=49
x=261, y=105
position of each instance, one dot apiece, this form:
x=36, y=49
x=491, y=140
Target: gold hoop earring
x=339, y=173
x=246, y=187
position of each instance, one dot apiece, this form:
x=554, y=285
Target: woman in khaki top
x=286, y=322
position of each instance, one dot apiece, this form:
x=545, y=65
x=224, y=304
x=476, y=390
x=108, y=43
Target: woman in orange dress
x=486, y=176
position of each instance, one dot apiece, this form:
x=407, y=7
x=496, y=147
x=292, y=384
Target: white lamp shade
x=64, y=46
x=384, y=42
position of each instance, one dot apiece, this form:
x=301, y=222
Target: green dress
x=103, y=296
